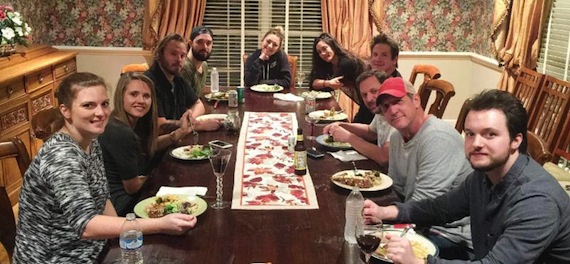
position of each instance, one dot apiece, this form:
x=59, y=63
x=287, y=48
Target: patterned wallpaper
x=420, y=25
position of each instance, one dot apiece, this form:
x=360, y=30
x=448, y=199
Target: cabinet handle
x=66, y=68
x=40, y=79
x=10, y=90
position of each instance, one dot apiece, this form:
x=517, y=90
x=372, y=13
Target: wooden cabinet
x=27, y=85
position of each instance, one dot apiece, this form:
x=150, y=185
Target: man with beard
x=174, y=96
x=519, y=212
x=371, y=140
x=195, y=69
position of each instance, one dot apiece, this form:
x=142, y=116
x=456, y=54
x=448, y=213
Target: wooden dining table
x=256, y=236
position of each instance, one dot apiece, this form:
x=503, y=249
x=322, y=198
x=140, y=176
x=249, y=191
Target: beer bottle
x=300, y=155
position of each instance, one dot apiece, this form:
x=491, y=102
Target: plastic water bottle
x=354, y=204
x=131, y=241
x=214, y=81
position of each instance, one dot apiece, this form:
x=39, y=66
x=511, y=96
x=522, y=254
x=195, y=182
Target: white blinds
x=554, y=55
x=238, y=27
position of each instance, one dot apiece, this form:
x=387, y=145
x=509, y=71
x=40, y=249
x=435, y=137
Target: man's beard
x=200, y=56
x=494, y=163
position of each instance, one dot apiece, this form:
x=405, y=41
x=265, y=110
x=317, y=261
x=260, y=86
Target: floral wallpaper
x=435, y=25
x=420, y=25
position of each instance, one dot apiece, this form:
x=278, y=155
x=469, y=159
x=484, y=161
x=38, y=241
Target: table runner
x=264, y=173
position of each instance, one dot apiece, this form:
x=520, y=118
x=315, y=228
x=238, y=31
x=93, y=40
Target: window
x=554, y=55
x=238, y=27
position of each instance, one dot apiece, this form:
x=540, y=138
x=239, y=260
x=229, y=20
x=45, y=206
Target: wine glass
x=311, y=120
x=368, y=236
x=300, y=78
x=219, y=161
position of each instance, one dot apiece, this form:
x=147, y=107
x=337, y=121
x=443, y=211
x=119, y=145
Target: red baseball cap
x=397, y=87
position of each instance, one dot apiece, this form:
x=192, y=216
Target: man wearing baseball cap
x=426, y=155
x=195, y=68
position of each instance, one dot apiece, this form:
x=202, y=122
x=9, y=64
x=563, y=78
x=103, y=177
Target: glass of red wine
x=368, y=237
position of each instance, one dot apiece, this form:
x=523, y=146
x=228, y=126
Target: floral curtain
x=163, y=17
x=516, y=35
x=351, y=23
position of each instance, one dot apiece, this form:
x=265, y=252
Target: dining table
x=257, y=236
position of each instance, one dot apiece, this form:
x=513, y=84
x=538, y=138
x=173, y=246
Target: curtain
x=163, y=17
x=516, y=44
x=351, y=23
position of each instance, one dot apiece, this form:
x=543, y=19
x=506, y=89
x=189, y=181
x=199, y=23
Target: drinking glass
x=368, y=236
x=300, y=78
x=311, y=120
x=219, y=161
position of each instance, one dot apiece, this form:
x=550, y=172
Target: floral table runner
x=264, y=173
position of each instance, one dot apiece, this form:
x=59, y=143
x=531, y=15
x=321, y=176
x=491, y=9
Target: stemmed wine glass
x=311, y=120
x=300, y=78
x=219, y=161
x=368, y=236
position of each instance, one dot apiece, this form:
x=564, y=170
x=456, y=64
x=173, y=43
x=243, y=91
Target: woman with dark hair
x=269, y=64
x=131, y=140
x=65, y=214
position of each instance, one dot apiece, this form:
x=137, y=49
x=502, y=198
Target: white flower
x=17, y=19
x=28, y=28
x=8, y=33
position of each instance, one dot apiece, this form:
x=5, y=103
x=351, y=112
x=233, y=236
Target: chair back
x=537, y=148
x=292, y=62
x=46, y=122
x=135, y=67
x=443, y=92
x=460, y=123
x=7, y=223
x=527, y=86
x=550, y=110
x=562, y=147
x=429, y=72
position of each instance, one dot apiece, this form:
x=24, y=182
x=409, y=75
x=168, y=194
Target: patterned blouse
x=62, y=190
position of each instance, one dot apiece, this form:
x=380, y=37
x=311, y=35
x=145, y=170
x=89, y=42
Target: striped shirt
x=62, y=190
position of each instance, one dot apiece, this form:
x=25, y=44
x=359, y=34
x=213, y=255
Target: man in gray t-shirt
x=426, y=155
x=361, y=136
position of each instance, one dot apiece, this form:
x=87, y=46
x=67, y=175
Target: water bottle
x=215, y=81
x=131, y=241
x=354, y=204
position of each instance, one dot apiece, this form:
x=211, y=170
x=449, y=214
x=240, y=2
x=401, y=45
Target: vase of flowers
x=13, y=31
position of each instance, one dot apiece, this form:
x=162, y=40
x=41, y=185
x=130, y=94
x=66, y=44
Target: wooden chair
x=46, y=122
x=135, y=67
x=527, y=86
x=11, y=149
x=443, y=92
x=562, y=147
x=460, y=123
x=537, y=148
x=550, y=110
x=429, y=72
x=292, y=61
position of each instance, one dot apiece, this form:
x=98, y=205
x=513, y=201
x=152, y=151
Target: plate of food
x=219, y=117
x=328, y=141
x=267, y=88
x=421, y=246
x=328, y=115
x=366, y=180
x=159, y=206
x=317, y=94
x=192, y=152
x=219, y=96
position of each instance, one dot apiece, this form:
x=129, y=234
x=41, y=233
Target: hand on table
x=177, y=224
x=208, y=125
x=400, y=250
x=335, y=83
x=336, y=131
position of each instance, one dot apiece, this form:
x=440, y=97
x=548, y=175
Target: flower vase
x=7, y=49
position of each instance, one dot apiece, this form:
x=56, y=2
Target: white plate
x=421, y=240
x=332, y=145
x=141, y=212
x=220, y=96
x=317, y=94
x=385, y=182
x=324, y=115
x=267, y=88
x=220, y=117
x=180, y=153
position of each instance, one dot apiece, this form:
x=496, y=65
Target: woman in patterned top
x=65, y=214
x=130, y=142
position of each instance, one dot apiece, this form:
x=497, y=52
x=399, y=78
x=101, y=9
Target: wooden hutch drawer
x=14, y=115
x=12, y=89
x=42, y=99
x=65, y=68
x=38, y=79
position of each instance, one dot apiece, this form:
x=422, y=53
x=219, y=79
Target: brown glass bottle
x=300, y=155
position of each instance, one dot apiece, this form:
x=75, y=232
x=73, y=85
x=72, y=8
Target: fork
x=356, y=172
x=194, y=132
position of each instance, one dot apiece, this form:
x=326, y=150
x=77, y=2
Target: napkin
x=288, y=97
x=192, y=191
x=348, y=155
